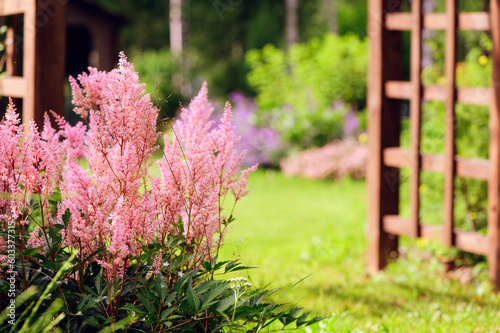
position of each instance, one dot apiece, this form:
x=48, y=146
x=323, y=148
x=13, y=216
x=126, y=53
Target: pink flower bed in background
x=336, y=160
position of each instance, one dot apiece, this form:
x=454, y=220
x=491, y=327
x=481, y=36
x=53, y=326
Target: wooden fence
x=386, y=90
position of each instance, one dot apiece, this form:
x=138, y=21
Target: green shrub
x=297, y=89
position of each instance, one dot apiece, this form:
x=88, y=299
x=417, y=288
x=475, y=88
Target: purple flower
x=260, y=142
x=351, y=124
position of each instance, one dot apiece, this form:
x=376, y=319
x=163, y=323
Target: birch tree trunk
x=175, y=11
x=176, y=45
x=291, y=25
x=331, y=15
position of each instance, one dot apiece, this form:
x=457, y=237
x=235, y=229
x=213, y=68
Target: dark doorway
x=78, y=48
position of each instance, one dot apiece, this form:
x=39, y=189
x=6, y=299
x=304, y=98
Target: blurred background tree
x=216, y=34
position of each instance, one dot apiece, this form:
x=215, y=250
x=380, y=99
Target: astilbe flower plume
x=122, y=121
x=110, y=214
x=30, y=170
x=111, y=218
x=199, y=168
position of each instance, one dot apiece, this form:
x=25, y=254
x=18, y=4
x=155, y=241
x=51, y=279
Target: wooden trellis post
x=384, y=119
x=43, y=47
x=494, y=157
x=386, y=90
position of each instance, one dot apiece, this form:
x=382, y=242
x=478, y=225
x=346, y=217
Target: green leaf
x=127, y=288
x=207, y=265
x=90, y=291
x=225, y=303
x=131, y=307
x=234, y=266
x=193, y=298
x=118, y=325
x=314, y=320
x=29, y=252
x=160, y=289
x=45, y=293
x=302, y=319
x=91, y=320
x=98, y=282
x=147, y=304
x=20, y=300
x=66, y=216
x=244, y=311
x=219, y=265
x=164, y=315
x=171, y=297
x=46, y=318
x=48, y=264
x=150, y=295
x=54, y=198
x=83, y=301
x=215, y=291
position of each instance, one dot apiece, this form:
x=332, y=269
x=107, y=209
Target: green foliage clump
x=297, y=89
x=198, y=300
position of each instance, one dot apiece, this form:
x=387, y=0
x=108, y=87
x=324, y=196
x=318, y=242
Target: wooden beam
x=474, y=96
x=415, y=112
x=472, y=242
x=449, y=137
x=432, y=232
x=437, y=21
x=465, y=241
x=494, y=153
x=13, y=87
x=470, y=168
x=13, y=7
x=398, y=89
x=396, y=225
x=384, y=121
x=474, y=21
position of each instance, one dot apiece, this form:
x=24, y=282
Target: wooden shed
x=91, y=37
x=46, y=41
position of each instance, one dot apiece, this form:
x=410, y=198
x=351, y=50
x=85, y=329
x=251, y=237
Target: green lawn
x=293, y=228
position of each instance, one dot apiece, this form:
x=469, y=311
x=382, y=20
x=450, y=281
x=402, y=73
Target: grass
x=294, y=228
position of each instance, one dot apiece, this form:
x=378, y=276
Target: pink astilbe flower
x=3, y=249
x=122, y=121
x=37, y=240
x=22, y=161
x=11, y=134
x=53, y=151
x=199, y=167
x=82, y=197
x=75, y=137
x=157, y=262
x=30, y=170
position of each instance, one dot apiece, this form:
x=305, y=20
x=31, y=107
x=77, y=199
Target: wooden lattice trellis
x=41, y=41
x=385, y=92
